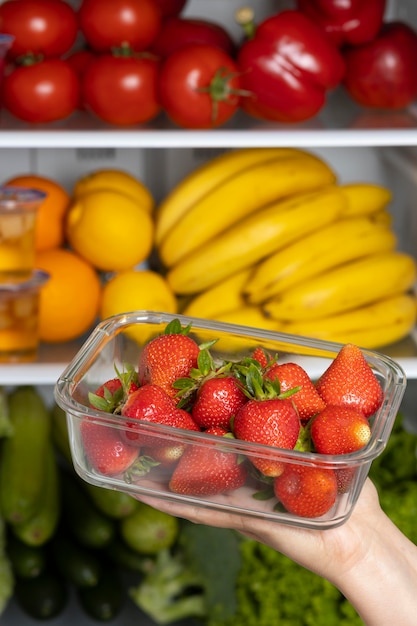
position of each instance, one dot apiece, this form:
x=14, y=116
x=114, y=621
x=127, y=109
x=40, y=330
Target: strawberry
x=112, y=394
x=208, y=470
x=306, y=491
x=150, y=403
x=261, y=356
x=271, y=422
x=166, y=358
x=105, y=448
x=350, y=380
x=218, y=400
x=340, y=430
x=290, y=375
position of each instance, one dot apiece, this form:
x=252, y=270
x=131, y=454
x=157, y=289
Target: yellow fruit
x=50, y=219
x=136, y=290
x=110, y=230
x=116, y=180
x=70, y=300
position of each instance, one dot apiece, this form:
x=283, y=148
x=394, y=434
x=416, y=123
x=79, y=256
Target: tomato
x=121, y=90
x=199, y=86
x=168, y=8
x=107, y=24
x=79, y=61
x=177, y=32
x=381, y=73
x=47, y=27
x=44, y=91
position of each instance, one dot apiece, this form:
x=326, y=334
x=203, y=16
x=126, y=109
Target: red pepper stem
x=245, y=17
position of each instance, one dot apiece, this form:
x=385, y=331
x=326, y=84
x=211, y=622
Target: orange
x=70, y=300
x=50, y=229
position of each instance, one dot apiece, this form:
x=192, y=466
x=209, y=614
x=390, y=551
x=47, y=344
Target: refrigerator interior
x=361, y=145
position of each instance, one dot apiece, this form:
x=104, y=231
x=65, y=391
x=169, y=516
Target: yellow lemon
x=116, y=180
x=110, y=230
x=136, y=290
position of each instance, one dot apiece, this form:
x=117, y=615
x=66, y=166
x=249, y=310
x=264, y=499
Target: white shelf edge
x=210, y=139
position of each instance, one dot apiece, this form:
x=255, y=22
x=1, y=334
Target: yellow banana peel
x=205, y=178
x=347, y=287
x=239, y=196
x=372, y=326
x=337, y=243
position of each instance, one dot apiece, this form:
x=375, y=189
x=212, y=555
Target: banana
x=205, y=178
x=249, y=316
x=255, y=237
x=238, y=196
x=223, y=296
x=365, y=198
x=347, y=287
x=318, y=252
x=371, y=326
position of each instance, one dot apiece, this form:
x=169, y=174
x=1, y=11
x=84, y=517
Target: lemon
x=110, y=230
x=136, y=290
x=116, y=180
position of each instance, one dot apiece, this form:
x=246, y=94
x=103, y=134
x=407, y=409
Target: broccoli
x=195, y=578
x=163, y=593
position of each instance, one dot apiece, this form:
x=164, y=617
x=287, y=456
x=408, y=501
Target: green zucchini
x=26, y=561
x=80, y=566
x=43, y=597
x=104, y=601
x=22, y=462
x=40, y=528
x=87, y=524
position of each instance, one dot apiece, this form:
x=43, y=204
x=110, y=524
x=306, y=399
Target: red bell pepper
x=288, y=65
x=351, y=22
x=382, y=73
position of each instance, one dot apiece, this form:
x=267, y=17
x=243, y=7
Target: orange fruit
x=70, y=300
x=50, y=228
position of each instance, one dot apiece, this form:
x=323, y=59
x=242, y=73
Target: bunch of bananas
x=269, y=238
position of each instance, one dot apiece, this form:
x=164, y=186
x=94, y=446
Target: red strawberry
x=151, y=403
x=307, y=399
x=209, y=469
x=261, y=356
x=306, y=491
x=106, y=450
x=350, y=380
x=340, y=430
x=165, y=359
x=112, y=394
x=272, y=422
x=218, y=400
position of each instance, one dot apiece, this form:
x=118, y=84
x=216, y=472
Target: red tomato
x=106, y=24
x=381, y=73
x=121, y=89
x=45, y=91
x=80, y=59
x=168, y=8
x=199, y=86
x=47, y=27
x=177, y=32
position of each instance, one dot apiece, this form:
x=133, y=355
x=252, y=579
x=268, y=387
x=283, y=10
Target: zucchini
x=26, y=561
x=105, y=601
x=22, y=462
x=80, y=566
x=40, y=528
x=43, y=597
x=87, y=524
